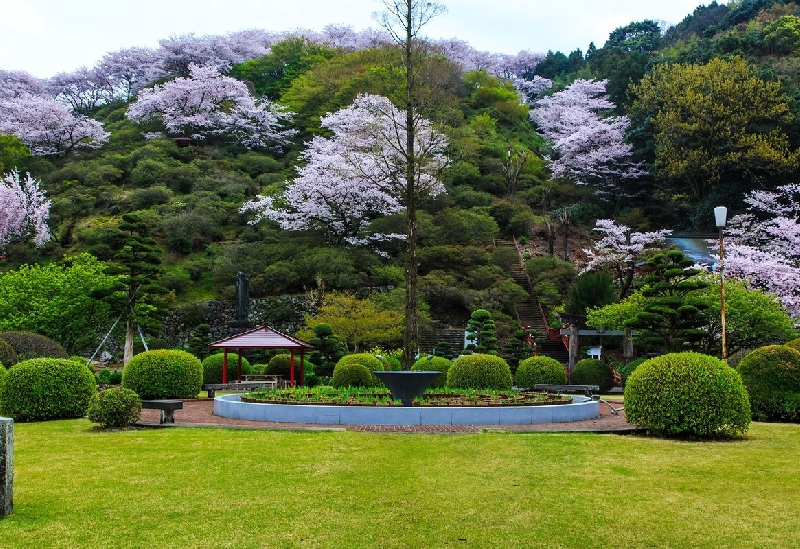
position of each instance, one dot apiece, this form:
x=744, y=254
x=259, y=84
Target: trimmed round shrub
x=352, y=374
x=479, y=371
x=771, y=375
x=115, y=407
x=369, y=361
x=394, y=363
x=590, y=371
x=540, y=369
x=794, y=344
x=8, y=357
x=30, y=345
x=259, y=369
x=626, y=370
x=46, y=388
x=434, y=364
x=163, y=373
x=281, y=365
x=212, y=367
x=687, y=394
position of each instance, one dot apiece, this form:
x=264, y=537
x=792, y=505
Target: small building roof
x=262, y=337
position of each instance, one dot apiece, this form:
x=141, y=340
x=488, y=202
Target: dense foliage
x=46, y=388
x=772, y=377
x=163, y=373
x=687, y=394
x=352, y=374
x=539, y=369
x=479, y=371
x=114, y=407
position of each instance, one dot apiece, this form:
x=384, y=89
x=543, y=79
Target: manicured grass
x=181, y=487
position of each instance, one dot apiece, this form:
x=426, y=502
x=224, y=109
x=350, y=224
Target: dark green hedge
x=8, y=357
x=590, y=371
x=281, y=365
x=30, y=345
x=212, y=367
x=46, y=388
x=772, y=377
x=540, y=369
x=352, y=374
x=479, y=371
x=163, y=373
x=687, y=394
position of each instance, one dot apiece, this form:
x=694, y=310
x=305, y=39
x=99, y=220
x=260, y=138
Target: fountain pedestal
x=405, y=386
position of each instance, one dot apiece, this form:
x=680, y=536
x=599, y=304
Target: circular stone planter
x=231, y=406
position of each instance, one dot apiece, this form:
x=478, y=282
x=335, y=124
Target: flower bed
x=382, y=397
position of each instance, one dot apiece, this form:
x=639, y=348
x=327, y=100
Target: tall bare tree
x=404, y=19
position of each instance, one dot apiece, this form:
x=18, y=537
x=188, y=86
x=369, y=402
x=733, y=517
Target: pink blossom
x=23, y=210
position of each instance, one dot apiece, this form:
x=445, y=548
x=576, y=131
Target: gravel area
x=199, y=413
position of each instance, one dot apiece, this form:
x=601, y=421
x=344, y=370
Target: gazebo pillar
x=225, y=365
x=291, y=368
x=302, y=370
x=239, y=365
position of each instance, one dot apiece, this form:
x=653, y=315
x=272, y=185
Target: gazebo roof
x=262, y=337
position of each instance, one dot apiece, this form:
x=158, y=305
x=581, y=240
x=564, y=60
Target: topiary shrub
x=794, y=344
x=540, y=369
x=163, y=373
x=212, y=367
x=590, y=371
x=687, y=394
x=771, y=375
x=394, y=363
x=30, y=345
x=626, y=370
x=281, y=365
x=8, y=357
x=115, y=407
x=479, y=371
x=434, y=364
x=369, y=361
x=351, y=374
x=46, y=388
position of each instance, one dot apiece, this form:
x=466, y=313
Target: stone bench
x=585, y=389
x=167, y=408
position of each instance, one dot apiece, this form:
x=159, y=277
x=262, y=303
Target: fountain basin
x=231, y=406
x=405, y=386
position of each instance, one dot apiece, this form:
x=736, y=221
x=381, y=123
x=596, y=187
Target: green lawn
x=181, y=487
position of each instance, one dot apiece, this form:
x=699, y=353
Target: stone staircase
x=529, y=311
x=441, y=332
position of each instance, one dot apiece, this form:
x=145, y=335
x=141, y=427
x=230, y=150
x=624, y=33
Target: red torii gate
x=262, y=337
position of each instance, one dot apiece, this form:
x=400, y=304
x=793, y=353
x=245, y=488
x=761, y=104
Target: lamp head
x=721, y=216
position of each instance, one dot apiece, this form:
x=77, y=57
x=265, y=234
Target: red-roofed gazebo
x=262, y=337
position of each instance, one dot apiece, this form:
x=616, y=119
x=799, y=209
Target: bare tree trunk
x=129, y=335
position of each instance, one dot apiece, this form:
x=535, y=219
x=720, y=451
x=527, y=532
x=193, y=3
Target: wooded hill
x=737, y=117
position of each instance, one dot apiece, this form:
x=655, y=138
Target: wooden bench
x=585, y=389
x=212, y=388
x=167, y=408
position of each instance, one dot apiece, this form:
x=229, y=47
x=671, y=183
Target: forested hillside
x=235, y=153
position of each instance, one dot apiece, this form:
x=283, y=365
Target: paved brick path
x=198, y=413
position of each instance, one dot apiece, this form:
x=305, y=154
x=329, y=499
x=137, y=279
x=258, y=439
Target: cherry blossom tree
x=83, y=89
x=128, y=70
x=356, y=175
x=762, y=246
x=48, y=127
x=19, y=83
x=619, y=249
x=23, y=210
x=590, y=147
x=210, y=104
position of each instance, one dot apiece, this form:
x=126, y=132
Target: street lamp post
x=721, y=215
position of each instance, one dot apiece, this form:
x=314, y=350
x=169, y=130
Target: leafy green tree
x=713, y=125
x=60, y=301
x=590, y=289
x=138, y=265
x=13, y=153
x=358, y=323
x=272, y=74
x=328, y=349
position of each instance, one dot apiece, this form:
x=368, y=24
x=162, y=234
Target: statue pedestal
x=6, y=466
